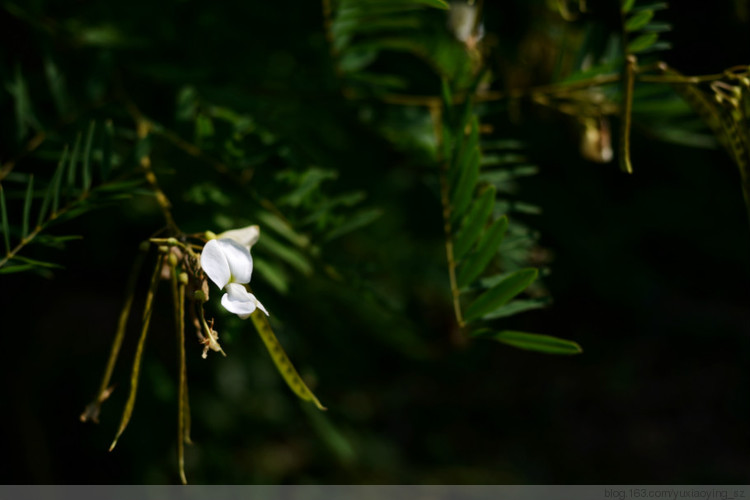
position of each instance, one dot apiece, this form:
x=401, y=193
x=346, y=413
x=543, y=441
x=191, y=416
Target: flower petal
x=215, y=264
x=246, y=236
x=239, y=301
x=239, y=259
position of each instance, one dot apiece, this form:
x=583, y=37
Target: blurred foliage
x=421, y=173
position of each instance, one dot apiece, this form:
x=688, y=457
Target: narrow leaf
x=107, y=139
x=642, y=42
x=15, y=268
x=463, y=145
x=473, y=224
x=639, y=20
x=73, y=161
x=501, y=294
x=27, y=207
x=37, y=263
x=464, y=191
x=4, y=215
x=627, y=5
x=273, y=274
x=286, y=253
x=57, y=180
x=359, y=219
x=515, y=307
x=476, y=262
x=87, y=158
x=438, y=4
x=283, y=228
x=536, y=342
x=56, y=82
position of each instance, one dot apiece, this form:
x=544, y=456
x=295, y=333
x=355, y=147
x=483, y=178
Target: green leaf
x=535, y=342
x=659, y=45
x=501, y=294
x=4, y=216
x=285, y=253
x=462, y=148
x=55, y=241
x=473, y=224
x=282, y=228
x=438, y=4
x=27, y=207
x=57, y=180
x=37, y=263
x=56, y=82
x=477, y=261
x=359, y=219
x=73, y=162
x=87, y=158
x=627, y=5
x=447, y=96
x=651, y=6
x=642, y=42
x=24, y=115
x=107, y=140
x=464, y=191
x=15, y=268
x=273, y=274
x=517, y=306
x=657, y=27
x=639, y=20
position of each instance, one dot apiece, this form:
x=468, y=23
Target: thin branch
x=627, y=109
x=436, y=114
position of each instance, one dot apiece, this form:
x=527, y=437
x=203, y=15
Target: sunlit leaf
x=477, y=261
x=73, y=162
x=642, y=42
x=4, y=217
x=639, y=20
x=87, y=157
x=534, y=342
x=500, y=294
x=473, y=224
x=356, y=221
x=27, y=207
x=516, y=307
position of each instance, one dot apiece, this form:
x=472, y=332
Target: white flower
x=229, y=265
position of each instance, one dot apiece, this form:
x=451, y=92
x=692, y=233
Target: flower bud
x=172, y=260
x=183, y=278
x=200, y=296
x=210, y=235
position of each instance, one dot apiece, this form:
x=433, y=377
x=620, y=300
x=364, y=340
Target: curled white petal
x=239, y=301
x=214, y=263
x=246, y=236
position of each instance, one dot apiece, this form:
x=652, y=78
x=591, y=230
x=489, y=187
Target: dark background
x=650, y=275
